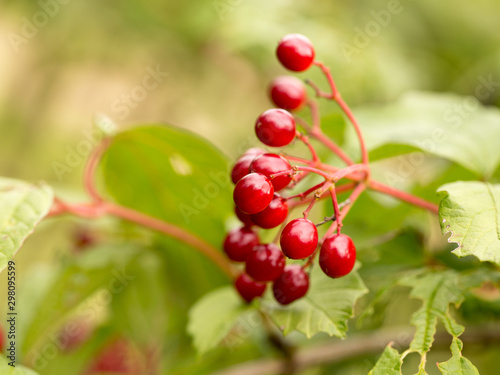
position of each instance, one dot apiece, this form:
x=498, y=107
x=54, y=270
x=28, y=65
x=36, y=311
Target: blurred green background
x=216, y=59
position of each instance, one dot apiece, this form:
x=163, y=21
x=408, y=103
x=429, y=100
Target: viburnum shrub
x=276, y=256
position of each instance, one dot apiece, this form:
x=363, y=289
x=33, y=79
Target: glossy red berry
x=249, y=288
x=275, y=127
x=287, y=92
x=242, y=166
x=299, y=239
x=239, y=243
x=265, y=263
x=253, y=193
x=246, y=219
x=269, y=164
x=295, y=52
x=291, y=285
x=337, y=255
x=273, y=215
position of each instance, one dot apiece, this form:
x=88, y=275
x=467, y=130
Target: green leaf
x=22, y=206
x=213, y=316
x=81, y=289
x=457, y=364
x=5, y=369
x=389, y=363
x=139, y=309
x=470, y=211
x=327, y=306
x=201, y=277
x=173, y=175
x=441, y=125
x=437, y=290
x=390, y=150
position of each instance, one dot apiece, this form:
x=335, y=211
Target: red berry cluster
x=259, y=178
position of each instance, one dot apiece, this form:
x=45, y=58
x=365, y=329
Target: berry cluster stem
x=305, y=140
x=401, y=195
x=352, y=199
x=335, y=96
x=90, y=169
x=336, y=208
x=316, y=132
x=304, y=194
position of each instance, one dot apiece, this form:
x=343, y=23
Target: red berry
x=118, y=357
x=243, y=217
x=269, y=164
x=275, y=127
x=337, y=255
x=273, y=215
x=299, y=239
x=295, y=52
x=248, y=288
x=83, y=239
x=74, y=333
x=239, y=243
x=253, y=193
x=291, y=285
x=265, y=263
x=287, y=92
x=242, y=166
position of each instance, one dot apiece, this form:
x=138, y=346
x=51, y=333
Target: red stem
x=296, y=168
x=309, y=208
x=335, y=96
x=376, y=186
x=416, y=201
x=331, y=82
x=338, y=189
x=305, y=140
x=348, y=170
x=350, y=115
x=314, y=170
x=90, y=168
x=174, y=231
x=320, y=136
x=314, y=108
x=336, y=208
x=352, y=199
x=304, y=194
x=99, y=209
x=297, y=159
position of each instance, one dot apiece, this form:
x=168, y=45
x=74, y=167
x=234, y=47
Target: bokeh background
x=216, y=57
